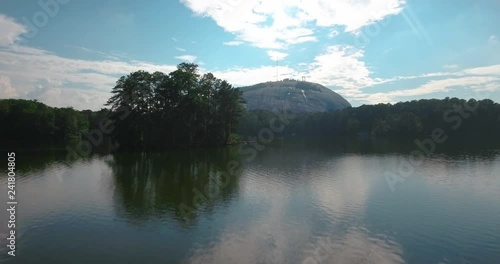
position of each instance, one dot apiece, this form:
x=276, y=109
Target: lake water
x=285, y=204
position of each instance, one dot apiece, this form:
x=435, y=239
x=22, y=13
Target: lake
x=281, y=204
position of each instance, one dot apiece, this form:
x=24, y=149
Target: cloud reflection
x=283, y=232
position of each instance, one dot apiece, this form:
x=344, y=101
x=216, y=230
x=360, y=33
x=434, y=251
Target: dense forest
x=146, y=110
x=186, y=109
x=33, y=122
x=405, y=120
x=179, y=109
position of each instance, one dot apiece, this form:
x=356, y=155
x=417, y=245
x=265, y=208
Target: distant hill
x=293, y=96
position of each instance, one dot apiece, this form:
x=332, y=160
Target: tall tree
x=180, y=109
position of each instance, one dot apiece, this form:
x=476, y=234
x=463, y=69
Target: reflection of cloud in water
x=265, y=185
x=257, y=245
x=354, y=247
x=474, y=174
x=341, y=190
x=340, y=187
x=273, y=236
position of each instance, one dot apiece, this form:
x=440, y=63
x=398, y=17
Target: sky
x=72, y=52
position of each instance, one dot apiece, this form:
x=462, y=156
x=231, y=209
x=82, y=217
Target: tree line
x=186, y=109
x=31, y=122
x=179, y=109
x=472, y=119
x=146, y=111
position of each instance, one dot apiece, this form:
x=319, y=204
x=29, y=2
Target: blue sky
x=71, y=52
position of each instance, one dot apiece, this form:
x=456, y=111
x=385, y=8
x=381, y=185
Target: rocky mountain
x=293, y=96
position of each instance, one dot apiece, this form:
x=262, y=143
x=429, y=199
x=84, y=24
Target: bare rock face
x=292, y=96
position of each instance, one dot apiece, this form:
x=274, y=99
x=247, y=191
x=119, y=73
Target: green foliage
x=28, y=122
x=179, y=109
x=471, y=120
x=233, y=139
x=251, y=122
x=184, y=109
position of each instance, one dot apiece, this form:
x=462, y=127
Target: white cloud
x=63, y=96
x=493, y=40
x=55, y=80
x=11, y=31
x=341, y=66
x=46, y=65
x=233, y=43
x=180, y=49
x=481, y=81
x=6, y=89
x=493, y=70
x=450, y=66
x=250, y=76
x=276, y=55
x=445, y=85
x=187, y=58
x=277, y=24
x=82, y=84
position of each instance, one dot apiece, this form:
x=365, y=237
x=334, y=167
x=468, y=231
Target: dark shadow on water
x=178, y=184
